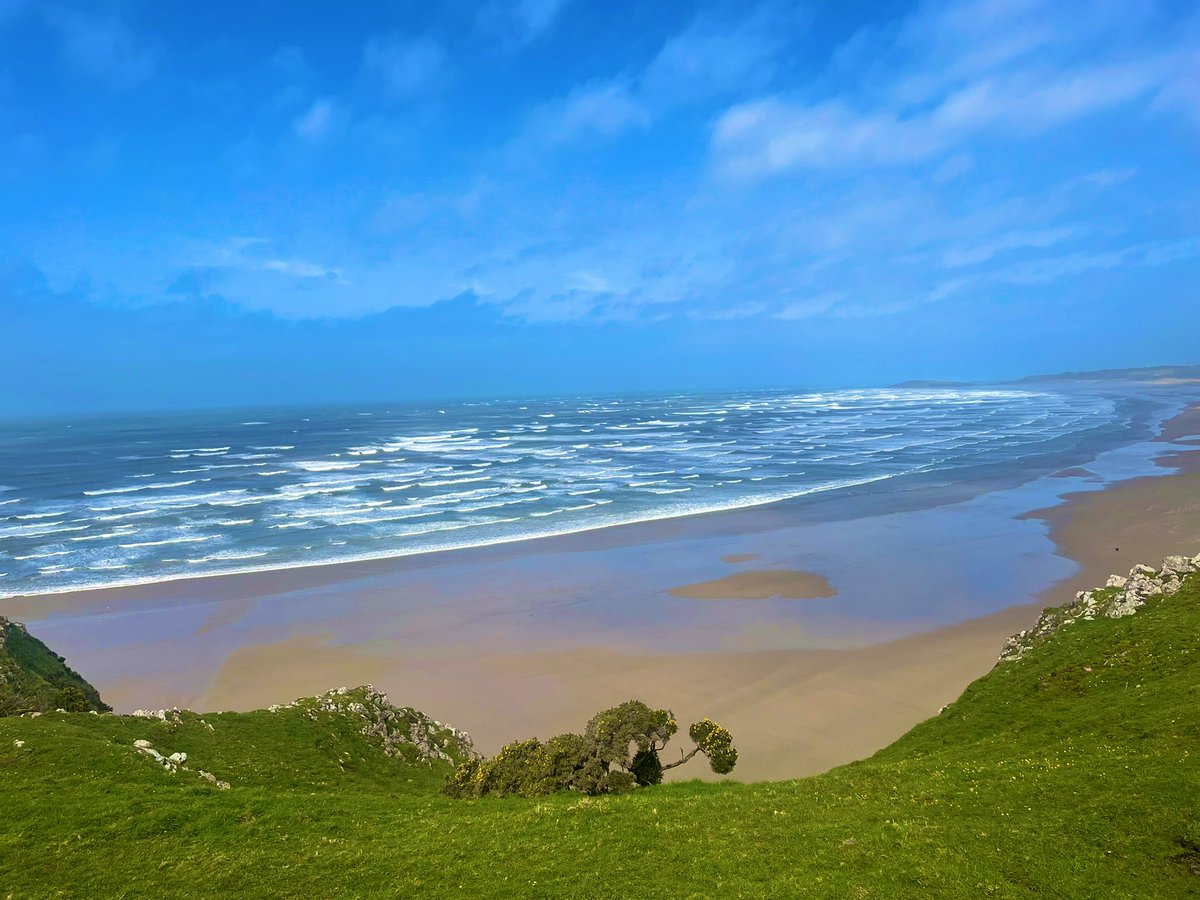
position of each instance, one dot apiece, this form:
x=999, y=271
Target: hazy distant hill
x=1147, y=375
x=921, y=383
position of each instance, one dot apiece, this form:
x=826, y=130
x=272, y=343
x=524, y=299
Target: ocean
x=106, y=501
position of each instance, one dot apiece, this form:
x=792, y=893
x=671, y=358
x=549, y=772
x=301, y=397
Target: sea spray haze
x=119, y=500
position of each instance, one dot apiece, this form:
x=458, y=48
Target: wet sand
x=1140, y=520
x=760, y=584
x=531, y=640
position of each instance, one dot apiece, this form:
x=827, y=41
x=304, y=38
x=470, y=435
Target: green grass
x=1073, y=772
x=32, y=675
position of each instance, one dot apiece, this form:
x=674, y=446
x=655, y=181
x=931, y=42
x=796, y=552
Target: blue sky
x=222, y=203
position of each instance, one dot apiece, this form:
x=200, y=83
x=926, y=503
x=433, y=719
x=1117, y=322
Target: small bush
x=72, y=700
x=618, y=752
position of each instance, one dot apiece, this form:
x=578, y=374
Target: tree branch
x=695, y=750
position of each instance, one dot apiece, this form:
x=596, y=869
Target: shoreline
x=1099, y=531
x=398, y=555
x=508, y=645
x=780, y=508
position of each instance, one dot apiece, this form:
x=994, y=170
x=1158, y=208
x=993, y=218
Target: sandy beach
x=813, y=650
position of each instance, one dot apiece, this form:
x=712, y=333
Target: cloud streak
x=101, y=46
x=954, y=74
x=519, y=22
x=404, y=66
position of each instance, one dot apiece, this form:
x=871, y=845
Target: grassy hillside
x=1071, y=772
x=34, y=678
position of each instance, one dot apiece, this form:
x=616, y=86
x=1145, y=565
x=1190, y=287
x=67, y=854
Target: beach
x=817, y=639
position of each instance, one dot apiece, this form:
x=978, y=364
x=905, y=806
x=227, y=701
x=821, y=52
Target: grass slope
x=1073, y=772
x=32, y=676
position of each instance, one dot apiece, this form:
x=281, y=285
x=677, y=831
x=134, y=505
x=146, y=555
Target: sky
x=256, y=202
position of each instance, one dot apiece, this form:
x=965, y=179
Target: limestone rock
x=1142, y=586
x=1121, y=596
x=398, y=729
x=1176, y=565
x=214, y=781
x=1124, y=605
x=163, y=715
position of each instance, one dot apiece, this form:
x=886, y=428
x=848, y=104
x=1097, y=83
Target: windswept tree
x=618, y=751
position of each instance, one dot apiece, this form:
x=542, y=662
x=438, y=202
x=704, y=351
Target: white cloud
x=1041, y=271
x=770, y=136
x=955, y=167
x=315, y=122
x=1183, y=91
x=405, y=66
x=100, y=46
x=712, y=56
x=1101, y=178
x=599, y=109
x=300, y=268
x=253, y=254
x=813, y=306
x=746, y=310
x=957, y=72
x=519, y=22
x=872, y=310
x=971, y=254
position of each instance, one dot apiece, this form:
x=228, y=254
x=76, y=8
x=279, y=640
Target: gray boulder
x=1176, y=565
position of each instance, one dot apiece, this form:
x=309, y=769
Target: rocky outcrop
x=401, y=731
x=172, y=715
x=1121, y=596
x=175, y=763
x=398, y=731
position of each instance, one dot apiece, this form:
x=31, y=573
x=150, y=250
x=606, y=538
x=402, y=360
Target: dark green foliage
x=716, y=743
x=647, y=768
x=33, y=678
x=618, y=752
x=519, y=768
x=573, y=765
x=71, y=699
x=632, y=724
x=532, y=769
x=13, y=703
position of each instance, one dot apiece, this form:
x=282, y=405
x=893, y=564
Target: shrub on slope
x=35, y=679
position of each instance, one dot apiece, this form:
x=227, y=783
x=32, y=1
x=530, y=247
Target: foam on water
x=341, y=485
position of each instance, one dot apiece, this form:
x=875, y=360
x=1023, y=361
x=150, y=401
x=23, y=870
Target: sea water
x=90, y=502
